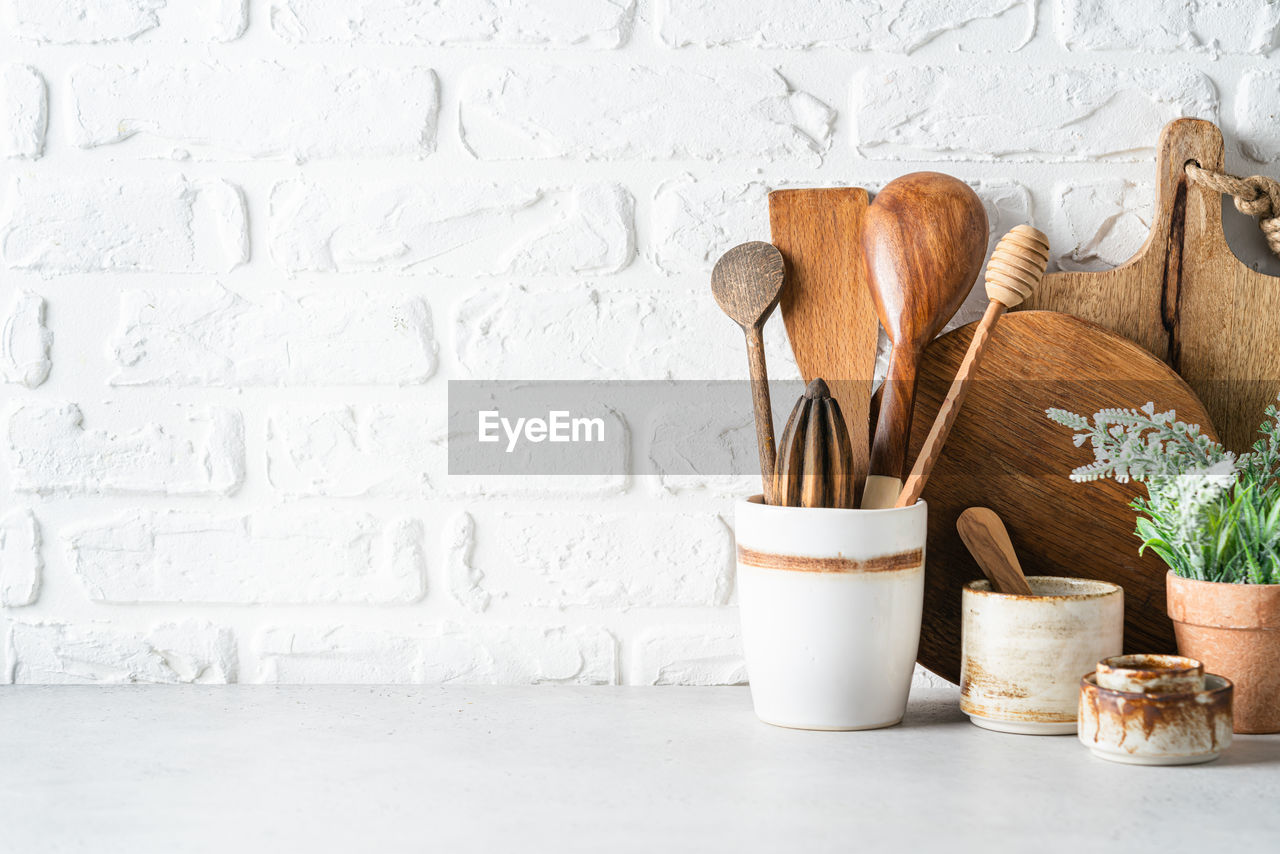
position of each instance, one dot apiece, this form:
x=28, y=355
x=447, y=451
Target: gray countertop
x=449, y=769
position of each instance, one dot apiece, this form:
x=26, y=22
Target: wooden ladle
x=988, y=541
x=747, y=283
x=923, y=242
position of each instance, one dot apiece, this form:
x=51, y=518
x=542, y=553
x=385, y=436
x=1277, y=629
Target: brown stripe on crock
x=796, y=563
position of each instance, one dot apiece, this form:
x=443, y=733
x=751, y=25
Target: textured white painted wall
x=245, y=243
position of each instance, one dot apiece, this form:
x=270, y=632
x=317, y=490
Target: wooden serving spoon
x=747, y=283
x=988, y=541
x=923, y=241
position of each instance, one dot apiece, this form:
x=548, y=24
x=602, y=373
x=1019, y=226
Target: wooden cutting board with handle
x=1003, y=453
x=1185, y=297
x=826, y=304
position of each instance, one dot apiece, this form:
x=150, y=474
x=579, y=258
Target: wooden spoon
x=747, y=283
x=923, y=241
x=988, y=541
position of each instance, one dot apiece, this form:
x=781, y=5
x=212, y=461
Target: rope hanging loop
x=1257, y=196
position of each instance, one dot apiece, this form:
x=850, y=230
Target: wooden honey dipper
x=815, y=456
x=1016, y=267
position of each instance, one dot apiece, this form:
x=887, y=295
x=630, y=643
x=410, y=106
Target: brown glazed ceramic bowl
x=1151, y=674
x=1172, y=728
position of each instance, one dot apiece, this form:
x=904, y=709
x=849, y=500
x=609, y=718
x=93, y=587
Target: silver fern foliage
x=1208, y=514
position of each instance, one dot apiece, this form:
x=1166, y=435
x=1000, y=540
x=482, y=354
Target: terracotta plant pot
x=1235, y=630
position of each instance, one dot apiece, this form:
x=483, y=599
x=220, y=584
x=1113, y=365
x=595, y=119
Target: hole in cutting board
x=1245, y=240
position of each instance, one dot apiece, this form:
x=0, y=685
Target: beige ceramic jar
x=1023, y=656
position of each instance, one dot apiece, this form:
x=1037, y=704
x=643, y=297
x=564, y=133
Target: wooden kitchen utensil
x=1015, y=268
x=826, y=306
x=747, y=282
x=988, y=541
x=814, y=454
x=1185, y=296
x=923, y=242
x=1003, y=453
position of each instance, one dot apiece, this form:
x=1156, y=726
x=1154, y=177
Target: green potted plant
x=1214, y=518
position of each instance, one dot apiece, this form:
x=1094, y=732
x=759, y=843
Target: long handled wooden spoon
x=923, y=240
x=747, y=282
x=989, y=543
x=1015, y=269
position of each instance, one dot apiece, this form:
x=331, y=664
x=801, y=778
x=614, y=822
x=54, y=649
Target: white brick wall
x=1215, y=27
x=608, y=561
x=476, y=654
x=689, y=655
x=534, y=23
x=24, y=341
x=245, y=244
x=859, y=25
x=165, y=224
x=639, y=112
x=453, y=228
x=188, y=451
x=212, y=336
x=98, y=654
x=20, y=560
x=26, y=112
x=144, y=21
x=988, y=112
x=275, y=555
x=258, y=110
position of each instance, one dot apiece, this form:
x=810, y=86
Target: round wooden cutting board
x=1003, y=453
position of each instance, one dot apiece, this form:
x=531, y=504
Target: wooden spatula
x=988, y=541
x=924, y=239
x=827, y=306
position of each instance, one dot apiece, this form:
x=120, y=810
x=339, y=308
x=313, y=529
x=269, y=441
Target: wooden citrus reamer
x=815, y=458
x=1017, y=265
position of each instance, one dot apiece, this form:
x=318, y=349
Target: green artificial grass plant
x=1208, y=514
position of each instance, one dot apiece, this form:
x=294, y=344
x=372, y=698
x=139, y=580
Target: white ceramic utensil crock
x=1022, y=656
x=830, y=602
